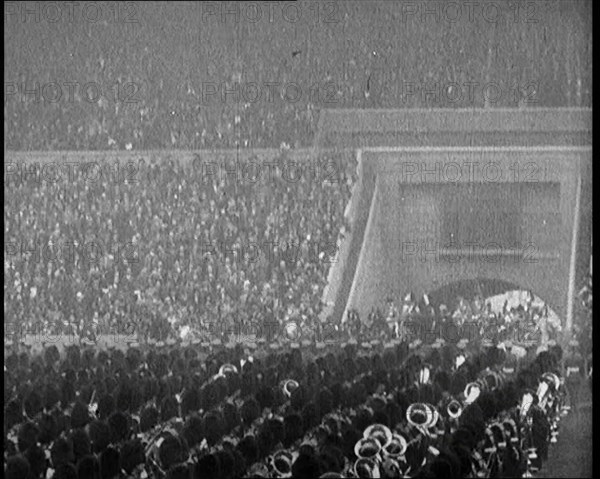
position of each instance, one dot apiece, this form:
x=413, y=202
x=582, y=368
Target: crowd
x=177, y=250
x=475, y=319
x=161, y=81
x=303, y=412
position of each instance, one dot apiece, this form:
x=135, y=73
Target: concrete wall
x=408, y=215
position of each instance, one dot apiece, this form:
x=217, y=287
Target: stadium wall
x=403, y=247
x=372, y=273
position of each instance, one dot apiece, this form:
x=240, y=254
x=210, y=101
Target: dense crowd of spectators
x=175, y=412
x=162, y=81
x=474, y=319
x=176, y=249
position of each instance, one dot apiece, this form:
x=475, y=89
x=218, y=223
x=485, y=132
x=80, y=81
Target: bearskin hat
x=88, y=467
x=110, y=463
x=293, y=428
x=148, y=418
x=172, y=451
x=132, y=454
x=248, y=448
x=81, y=443
x=36, y=457
x=17, y=467
x=168, y=408
x=306, y=466
x=119, y=426
x=61, y=452
x=208, y=466
x=193, y=431
x=79, y=415
x=212, y=427
x=99, y=433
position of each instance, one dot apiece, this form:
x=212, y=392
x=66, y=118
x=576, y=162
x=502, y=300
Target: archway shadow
x=469, y=288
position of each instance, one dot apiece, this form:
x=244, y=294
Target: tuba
x=281, y=463
x=396, y=448
x=367, y=448
x=366, y=468
x=492, y=381
x=454, y=409
x=224, y=370
x=472, y=391
x=421, y=416
x=499, y=435
x=289, y=386
x=367, y=451
x=380, y=433
x=458, y=361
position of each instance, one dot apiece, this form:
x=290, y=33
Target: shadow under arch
x=469, y=288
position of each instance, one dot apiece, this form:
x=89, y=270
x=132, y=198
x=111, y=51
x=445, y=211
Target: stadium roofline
x=435, y=120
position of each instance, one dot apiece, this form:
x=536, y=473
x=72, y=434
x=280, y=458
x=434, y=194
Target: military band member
x=573, y=372
x=392, y=317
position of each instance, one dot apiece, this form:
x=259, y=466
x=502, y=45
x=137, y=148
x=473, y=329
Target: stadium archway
x=472, y=206
x=486, y=288
x=497, y=293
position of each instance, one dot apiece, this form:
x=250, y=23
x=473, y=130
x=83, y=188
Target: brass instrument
x=281, y=462
x=526, y=402
x=459, y=360
x=496, y=426
x=424, y=374
x=472, y=392
x=379, y=449
x=227, y=368
x=366, y=468
x=380, y=433
x=511, y=431
x=492, y=380
x=549, y=400
x=289, y=386
x=454, y=409
x=224, y=370
x=420, y=415
x=424, y=418
x=367, y=448
x=396, y=448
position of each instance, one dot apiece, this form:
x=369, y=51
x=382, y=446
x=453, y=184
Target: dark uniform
x=510, y=364
x=573, y=376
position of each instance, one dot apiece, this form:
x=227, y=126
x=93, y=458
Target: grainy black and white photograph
x=322, y=238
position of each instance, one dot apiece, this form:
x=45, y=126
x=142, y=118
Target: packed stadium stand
x=177, y=291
